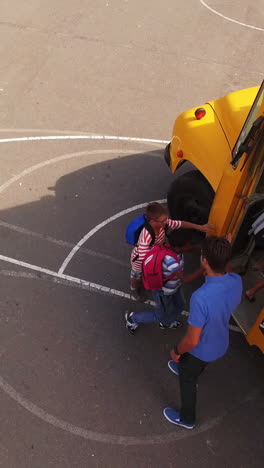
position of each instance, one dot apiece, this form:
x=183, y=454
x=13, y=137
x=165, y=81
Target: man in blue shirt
x=207, y=337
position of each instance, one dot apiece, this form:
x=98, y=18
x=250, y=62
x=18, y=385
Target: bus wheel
x=190, y=197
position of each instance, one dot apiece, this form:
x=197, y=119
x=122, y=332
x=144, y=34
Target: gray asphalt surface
x=76, y=390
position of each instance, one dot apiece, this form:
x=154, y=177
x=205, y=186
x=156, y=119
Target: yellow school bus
x=221, y=143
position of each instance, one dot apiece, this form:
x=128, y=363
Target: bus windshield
x=254, y=113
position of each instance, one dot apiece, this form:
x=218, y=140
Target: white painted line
x=62, y=243
x=119, y=439
x=97, y=228
x=38, y=166
x=84, y=283
x=21, y=274
x=58, y=280
x=60, y=423
x=84, y=137
x=229, y=19
x=81, y=283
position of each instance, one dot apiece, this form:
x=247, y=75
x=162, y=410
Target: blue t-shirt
x=211, y=307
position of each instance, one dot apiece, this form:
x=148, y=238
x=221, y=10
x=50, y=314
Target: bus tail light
x=200, y=113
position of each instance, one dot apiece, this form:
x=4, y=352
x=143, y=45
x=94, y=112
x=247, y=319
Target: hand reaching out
x=207, y=227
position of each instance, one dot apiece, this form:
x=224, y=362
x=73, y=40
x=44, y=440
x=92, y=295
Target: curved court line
x=62, y=243
x=119, y=439
x=97, y=228
x=98, y=436
x=84, y=137
x=81, y=282
x=229, y=19
x=58, y=159
x=60, y=423
x=73, y=281
x=31, y=169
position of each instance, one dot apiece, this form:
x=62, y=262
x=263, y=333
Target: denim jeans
x=167, y=308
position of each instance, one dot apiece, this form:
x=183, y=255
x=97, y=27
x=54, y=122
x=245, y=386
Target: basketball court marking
x=119, y=439
x=85, y=137
x=97, y=228
x=39, y=412
x=229, y=19
x=62, y=243
x=55, y=160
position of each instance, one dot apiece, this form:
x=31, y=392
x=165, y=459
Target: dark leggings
x=190, y=368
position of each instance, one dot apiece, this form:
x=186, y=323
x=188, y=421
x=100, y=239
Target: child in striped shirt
x=169, y=300
x=154, y=234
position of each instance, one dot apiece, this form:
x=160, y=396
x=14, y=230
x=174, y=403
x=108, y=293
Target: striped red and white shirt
x=144, y=241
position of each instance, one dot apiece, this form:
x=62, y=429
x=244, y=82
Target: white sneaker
x=174, y=324
x=130, y=324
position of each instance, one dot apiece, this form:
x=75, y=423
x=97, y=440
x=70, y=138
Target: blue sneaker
x=174, y=417
x=173, y=366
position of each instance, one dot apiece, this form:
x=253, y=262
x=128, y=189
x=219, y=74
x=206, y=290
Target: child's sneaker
x=130, y=324
x=174, y=324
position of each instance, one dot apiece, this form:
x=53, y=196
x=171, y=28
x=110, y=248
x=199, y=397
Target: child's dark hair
x=154, y=210
x=179, y=237
x=217, y=251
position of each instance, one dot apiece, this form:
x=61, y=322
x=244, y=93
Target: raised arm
x=174, y=224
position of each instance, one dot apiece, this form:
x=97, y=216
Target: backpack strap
x=150, y=229
x=152, y=232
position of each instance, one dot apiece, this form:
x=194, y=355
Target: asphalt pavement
x=76, y=389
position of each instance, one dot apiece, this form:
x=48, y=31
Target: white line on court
x=229, y=19
x=97, y=228
x=84, y=137
x=118, y=439
x=31, y=169
x=35, y=167
x=84, y=283
x=61, y=243
x=81, y=285
x=64, y=425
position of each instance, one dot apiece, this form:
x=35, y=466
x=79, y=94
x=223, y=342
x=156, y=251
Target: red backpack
x=152, y=267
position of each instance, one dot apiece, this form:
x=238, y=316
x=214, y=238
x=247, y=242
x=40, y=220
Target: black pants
x=190, y=368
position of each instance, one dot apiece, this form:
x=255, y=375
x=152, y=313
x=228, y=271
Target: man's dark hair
x=179, y=237
x=154, y=210
x=217, y=251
